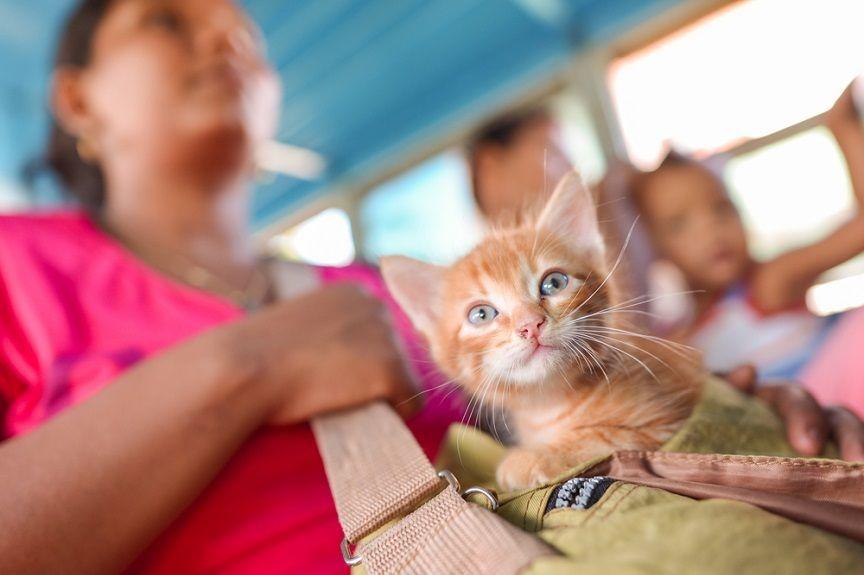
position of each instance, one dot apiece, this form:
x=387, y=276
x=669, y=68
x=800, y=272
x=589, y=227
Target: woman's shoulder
x=44, y=227
x=357, y=272
x=52, y=217
x=296, y=278
x=363, y=274
x=62, y=240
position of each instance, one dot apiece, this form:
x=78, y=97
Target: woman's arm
x=785, y=280
x=90, y=489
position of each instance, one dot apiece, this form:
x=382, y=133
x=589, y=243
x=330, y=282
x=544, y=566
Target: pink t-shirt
x=76, y=310
x=836, y=375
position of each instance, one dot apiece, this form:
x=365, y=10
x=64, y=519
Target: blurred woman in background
x=159, y=106
x=150, y=422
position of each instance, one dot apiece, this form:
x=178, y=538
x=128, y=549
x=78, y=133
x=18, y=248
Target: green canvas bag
x=699, y=505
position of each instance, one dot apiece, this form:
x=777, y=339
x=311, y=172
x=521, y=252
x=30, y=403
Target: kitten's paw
x=525, y=468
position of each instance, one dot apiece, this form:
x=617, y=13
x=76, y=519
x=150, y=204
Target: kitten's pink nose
x=530, y=326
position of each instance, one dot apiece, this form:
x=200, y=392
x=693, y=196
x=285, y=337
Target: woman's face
x=175, y=83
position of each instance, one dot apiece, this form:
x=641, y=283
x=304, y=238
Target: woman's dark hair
x=81, y=180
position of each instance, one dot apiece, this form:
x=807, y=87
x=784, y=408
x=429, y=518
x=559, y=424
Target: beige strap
x=448, y=535
x=378, y=473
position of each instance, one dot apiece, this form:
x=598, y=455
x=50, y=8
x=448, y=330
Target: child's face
x=695, y=225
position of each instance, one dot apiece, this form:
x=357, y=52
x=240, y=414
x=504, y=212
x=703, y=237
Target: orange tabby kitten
x=531, y=318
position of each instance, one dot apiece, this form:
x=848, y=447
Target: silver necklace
x=255, y=291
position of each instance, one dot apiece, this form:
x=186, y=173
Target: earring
x=85, y=150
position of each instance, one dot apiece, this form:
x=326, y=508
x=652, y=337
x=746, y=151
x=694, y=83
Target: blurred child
x=516, y=160
x=747, y=311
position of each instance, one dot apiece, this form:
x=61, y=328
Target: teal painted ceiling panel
x=363, y=79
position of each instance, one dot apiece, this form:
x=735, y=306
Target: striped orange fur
x=575, y=379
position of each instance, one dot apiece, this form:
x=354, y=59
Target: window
x=791, y=192
x=579, y=134
x=323, y=239
x=427, y=213
x=744, y=84
x=11, y=197
x=743, y=72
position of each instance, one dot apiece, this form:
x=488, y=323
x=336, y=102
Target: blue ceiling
x=364, y=80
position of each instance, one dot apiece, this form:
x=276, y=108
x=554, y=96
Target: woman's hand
x=843, y=115
x=329, y=350
x=185, y=411
x=808, y=425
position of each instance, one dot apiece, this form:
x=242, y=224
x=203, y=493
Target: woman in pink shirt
x=152, y=425
x=196, y=460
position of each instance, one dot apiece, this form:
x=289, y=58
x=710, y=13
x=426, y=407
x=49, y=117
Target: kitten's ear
x=416, y=286
x=571, y=213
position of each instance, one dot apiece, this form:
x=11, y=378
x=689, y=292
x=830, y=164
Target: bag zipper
x=578, y=493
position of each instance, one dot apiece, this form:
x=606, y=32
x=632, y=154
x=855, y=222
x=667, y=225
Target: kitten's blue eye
x=481, y=314
x=553, y=283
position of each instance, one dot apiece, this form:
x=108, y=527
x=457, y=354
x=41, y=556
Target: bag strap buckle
x=348, y=555
x=351, y=558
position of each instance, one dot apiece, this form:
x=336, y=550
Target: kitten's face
x=519, y=309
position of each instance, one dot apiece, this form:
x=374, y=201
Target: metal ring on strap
x=490, y=495
x=347, y=556
x=451, y=479
x=345, y=547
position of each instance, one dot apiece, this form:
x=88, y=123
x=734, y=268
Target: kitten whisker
x=597, y=359
x=451, y=381
x=636, y=301
x=676, y=347
x=630, y=355
x=473, y=402
x=572, y=301
x=623, y=342
x=673, y=346
x=564, y=376
x=493, y=391
x=593, y=354
x=549, y=241
x=576, y=349
x=614, y=266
